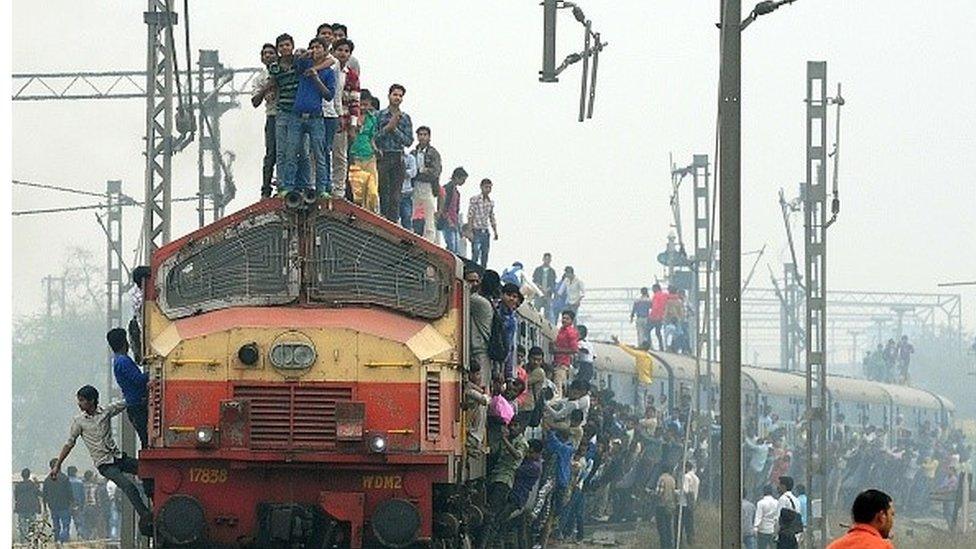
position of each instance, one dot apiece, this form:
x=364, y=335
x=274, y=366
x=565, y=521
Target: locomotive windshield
x=246, y=264
x=354, y=265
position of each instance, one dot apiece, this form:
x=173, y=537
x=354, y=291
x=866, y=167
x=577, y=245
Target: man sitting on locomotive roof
x=94, y=426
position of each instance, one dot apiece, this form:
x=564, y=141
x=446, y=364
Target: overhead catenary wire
x=39, y=211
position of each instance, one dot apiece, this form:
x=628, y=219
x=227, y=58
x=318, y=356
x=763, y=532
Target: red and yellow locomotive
x=306, y=375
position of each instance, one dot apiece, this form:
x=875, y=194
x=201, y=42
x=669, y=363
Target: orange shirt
x=861, y=536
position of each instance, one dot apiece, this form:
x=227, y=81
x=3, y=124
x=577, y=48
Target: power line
x=56, y=188
x=18, y=213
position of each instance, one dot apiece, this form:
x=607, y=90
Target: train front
x=305, y=380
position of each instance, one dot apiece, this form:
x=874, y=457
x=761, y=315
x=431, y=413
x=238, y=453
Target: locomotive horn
x=294, y=200
x=309, y=196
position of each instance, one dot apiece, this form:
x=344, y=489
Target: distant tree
x=54, y=356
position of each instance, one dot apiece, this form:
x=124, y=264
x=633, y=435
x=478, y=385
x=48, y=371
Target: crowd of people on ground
x=664, y=316
x=327, y=135
x=915, y=467
x=90, y=502
x=562, y=452
x=889, y=363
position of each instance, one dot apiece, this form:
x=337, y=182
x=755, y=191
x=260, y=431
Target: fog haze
x=594, y=194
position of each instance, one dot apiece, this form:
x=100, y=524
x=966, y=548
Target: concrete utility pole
x=730, y=280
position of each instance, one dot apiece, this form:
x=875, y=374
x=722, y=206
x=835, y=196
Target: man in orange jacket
x=873, y=514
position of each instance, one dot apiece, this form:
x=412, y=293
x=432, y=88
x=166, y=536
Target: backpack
x=497, y=345
x=790, y=522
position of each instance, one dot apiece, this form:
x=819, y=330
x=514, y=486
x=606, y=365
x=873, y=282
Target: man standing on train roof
x=263, y=93
x=94, y=426
x=873, y=513
x=656, y=318
x=639, y=313
x=341, y=32
x=481, y=217
x=133, y=382
x=426, y=184
x=394, y=134
x=314, y=115
x=448, y=218
x=544, y=276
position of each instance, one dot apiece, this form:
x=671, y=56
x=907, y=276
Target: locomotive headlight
x=303, y=356
x=377, y=444
x=205, y=435
x=290, y=355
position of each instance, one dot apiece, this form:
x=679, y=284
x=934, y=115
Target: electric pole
x=729, y=163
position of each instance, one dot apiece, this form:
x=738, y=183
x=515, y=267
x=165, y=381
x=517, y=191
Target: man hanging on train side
x=94, y=426
x=133, y=382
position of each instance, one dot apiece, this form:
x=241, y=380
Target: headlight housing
x=377, y=443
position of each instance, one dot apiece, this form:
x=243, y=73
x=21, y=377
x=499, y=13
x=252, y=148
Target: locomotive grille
x=433, y=390
x=285, y=417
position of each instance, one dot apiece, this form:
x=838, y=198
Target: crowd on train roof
x=562, y=452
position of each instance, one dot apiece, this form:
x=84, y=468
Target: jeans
x=116, y=471
x=665, y=519
x=24, y=521
x=340, y=160
x=765, y=541
x=749, y=542
x=61, y=524
x=390, y=167
x=270, y=154
x=643, y=333
x=451, y=239
x=406, y=211
x=423, y=196
x=572, y=517
x=480, y=247
x=320, y=132
x=139, y=417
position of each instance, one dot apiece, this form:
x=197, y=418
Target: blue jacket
x=131, y=379
x=308, y=97
x=563, y=452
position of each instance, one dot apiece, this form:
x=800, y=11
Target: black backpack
x=497, y=345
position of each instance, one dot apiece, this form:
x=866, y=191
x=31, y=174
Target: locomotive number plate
x=382, y=482
x=205, y=475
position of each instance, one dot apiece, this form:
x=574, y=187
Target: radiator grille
x=433, y=390
x=354, y=266
x=285, y=417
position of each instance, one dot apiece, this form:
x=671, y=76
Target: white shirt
x=574, y=291
x=329, y=109
x=787, y=501
x=135, y=294
x=689, y=487
x=562, y=408
x=589, y=355
x=767, y=513
x=410, y=172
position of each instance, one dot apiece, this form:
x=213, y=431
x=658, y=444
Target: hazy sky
x=594, y=194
